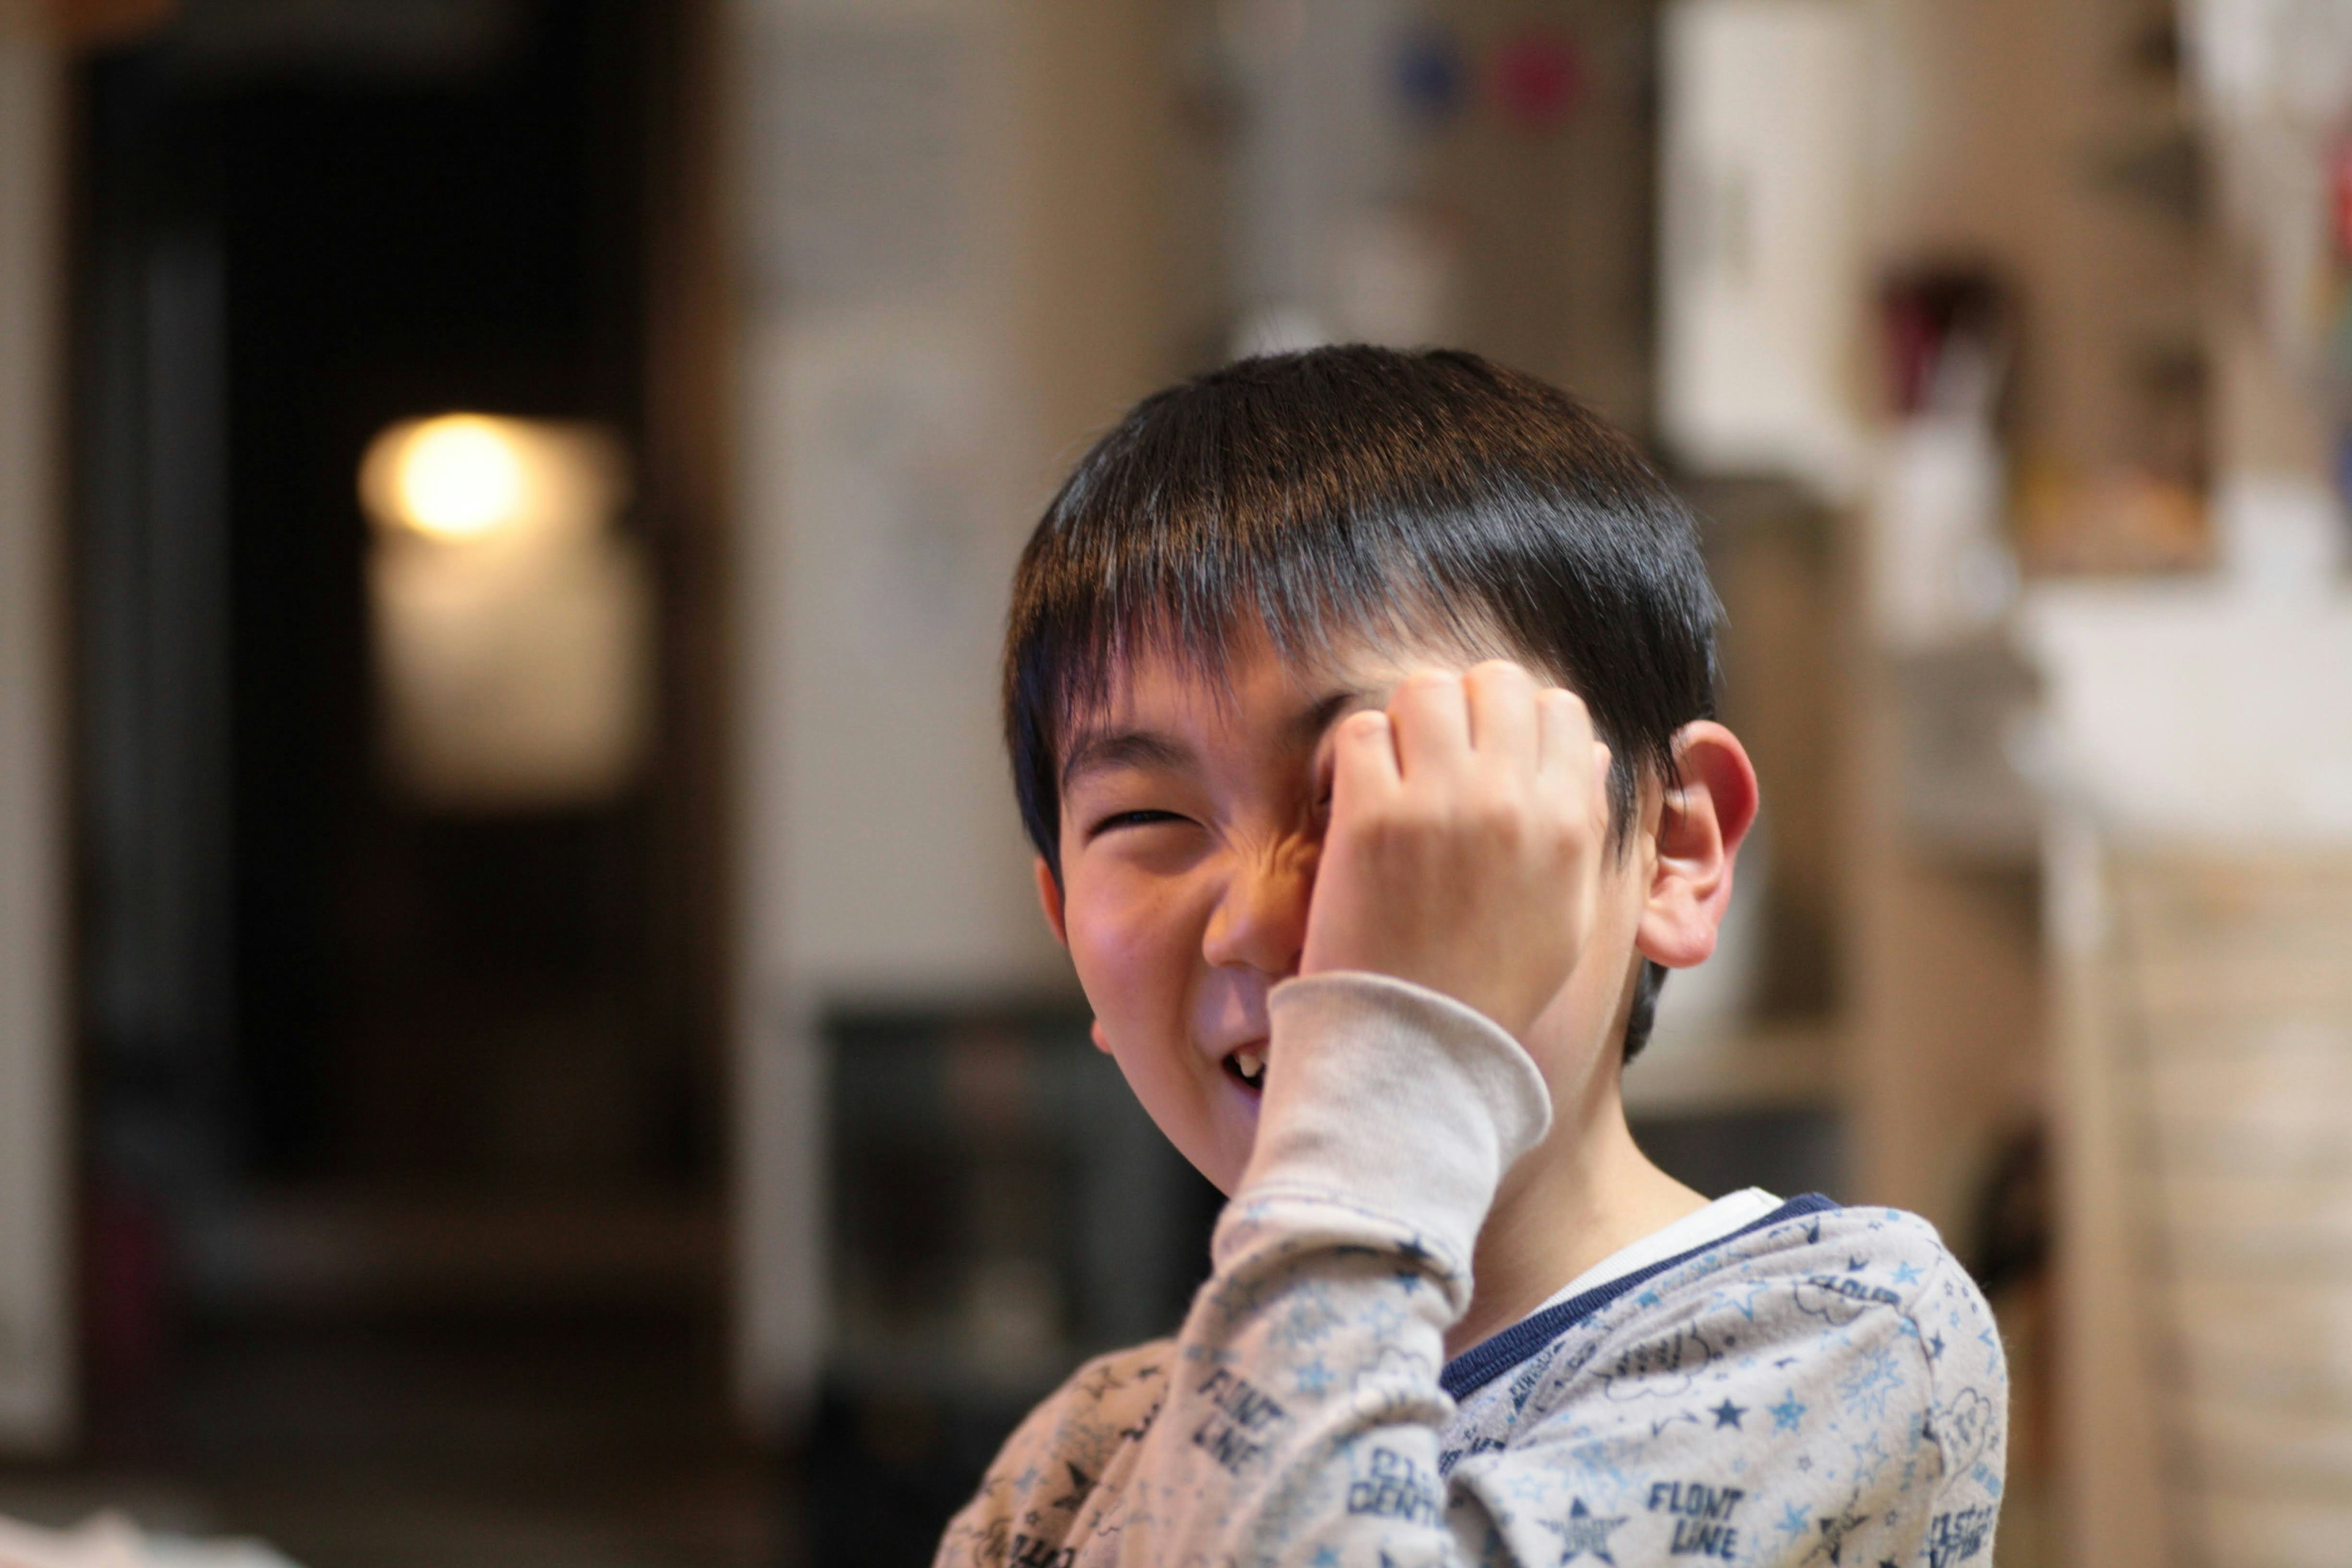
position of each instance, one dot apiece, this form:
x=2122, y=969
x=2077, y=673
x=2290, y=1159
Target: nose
x=1260, y=921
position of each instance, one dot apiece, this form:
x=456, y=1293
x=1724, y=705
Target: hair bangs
x=1185, y=579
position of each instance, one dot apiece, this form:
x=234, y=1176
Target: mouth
x=1247, y=1066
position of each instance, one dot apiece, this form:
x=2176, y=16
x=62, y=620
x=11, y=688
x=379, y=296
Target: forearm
x=1303, y=1409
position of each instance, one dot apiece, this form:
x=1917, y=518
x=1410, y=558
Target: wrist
x=1393, y=1096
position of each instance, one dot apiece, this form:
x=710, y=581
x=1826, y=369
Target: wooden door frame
x=36, y=1337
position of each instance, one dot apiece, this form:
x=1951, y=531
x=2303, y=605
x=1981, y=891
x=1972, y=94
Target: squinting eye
x=1131, y=819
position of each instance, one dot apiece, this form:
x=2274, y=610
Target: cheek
x=1136, y=943
x=1130, y=942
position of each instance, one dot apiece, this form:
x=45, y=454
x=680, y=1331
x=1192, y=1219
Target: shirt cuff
x=1392, y=1096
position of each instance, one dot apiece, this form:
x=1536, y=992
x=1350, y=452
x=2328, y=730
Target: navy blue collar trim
x=1490, y=1358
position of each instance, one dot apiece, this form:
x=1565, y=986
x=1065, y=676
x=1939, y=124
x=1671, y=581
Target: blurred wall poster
x=861, y=151
x=878, y=428
x=877, y=160
x=1760, y=244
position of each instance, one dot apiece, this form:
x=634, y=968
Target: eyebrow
x=1107, y=749
x=1103, y=749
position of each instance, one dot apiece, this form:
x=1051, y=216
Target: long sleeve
x=1303, y=1411
x=1824, y=1390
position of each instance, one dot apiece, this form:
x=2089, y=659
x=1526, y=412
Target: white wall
x=36, y=1348
x=888, y=470
x=1760, y=271
x=1320, y=150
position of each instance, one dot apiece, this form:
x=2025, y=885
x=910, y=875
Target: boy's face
x=1191, y=825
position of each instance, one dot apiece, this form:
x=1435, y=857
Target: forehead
x=1176, y=720
x=1162, y=709
x=1247, y=681
x=1246, y=673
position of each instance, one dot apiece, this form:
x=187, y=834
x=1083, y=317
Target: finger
x=1364, y=761
x=1430, y=718
x=1502, y=702
x=1568, y=754
x=1564, y=739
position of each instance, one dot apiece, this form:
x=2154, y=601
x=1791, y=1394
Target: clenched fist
x=1464, y=847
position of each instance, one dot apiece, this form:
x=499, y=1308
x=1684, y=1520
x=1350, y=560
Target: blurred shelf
x=331, y=1250
x=1958, y=709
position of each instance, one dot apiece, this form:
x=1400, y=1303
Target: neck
x=1585, y=1192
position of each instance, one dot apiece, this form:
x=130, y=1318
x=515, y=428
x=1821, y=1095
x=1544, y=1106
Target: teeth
x=1252, y=1065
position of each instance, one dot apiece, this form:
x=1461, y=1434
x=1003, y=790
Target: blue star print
x=1584, y=1531
x=1610, y=1413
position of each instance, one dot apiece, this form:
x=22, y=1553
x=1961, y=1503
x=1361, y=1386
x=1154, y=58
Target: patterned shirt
x=1824, y=1385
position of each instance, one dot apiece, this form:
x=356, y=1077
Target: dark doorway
x=403, y=1122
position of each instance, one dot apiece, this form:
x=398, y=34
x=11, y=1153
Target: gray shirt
x=1824, y=1386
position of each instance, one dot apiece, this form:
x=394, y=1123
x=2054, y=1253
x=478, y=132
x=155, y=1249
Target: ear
x=1049, y=898
x=1699, y=829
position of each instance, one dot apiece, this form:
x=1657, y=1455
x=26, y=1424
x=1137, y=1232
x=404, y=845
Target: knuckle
x=1567, y=702
x=1414, y=828
x=1501, y=672
x=1376, y=829
x=1496, y=812
x=1427, y=683
x=1413, y=823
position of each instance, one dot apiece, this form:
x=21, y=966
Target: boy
x=1359, y=705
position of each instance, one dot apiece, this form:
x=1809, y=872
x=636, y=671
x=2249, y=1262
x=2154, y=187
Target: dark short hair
x=1365, y=492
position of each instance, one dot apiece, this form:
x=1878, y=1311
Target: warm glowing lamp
x=461, y=477
x=457, y=476
x=511, y=619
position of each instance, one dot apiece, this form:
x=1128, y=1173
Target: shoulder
x=1866, y=1299
x=1829, y=1383
x=1844, y=1267
x=1861, y=1256
x=1109, y=1400
x=1806, y=1284
x=1056, y=1461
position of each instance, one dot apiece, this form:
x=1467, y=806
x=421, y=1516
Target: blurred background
x=524, y=1033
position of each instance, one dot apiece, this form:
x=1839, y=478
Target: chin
x=1225, y=1156
x=1220, y=1155
x=1227, y=1177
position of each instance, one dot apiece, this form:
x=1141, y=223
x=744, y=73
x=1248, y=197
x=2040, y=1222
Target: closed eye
x=1118, y=820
